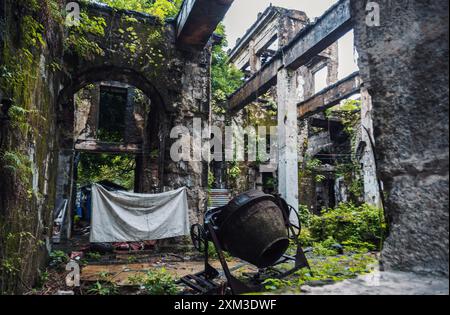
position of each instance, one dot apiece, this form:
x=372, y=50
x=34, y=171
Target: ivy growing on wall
x=225, y=77
x=349, y=113
x=160, y=8
x=77, y=39
x=26, y=41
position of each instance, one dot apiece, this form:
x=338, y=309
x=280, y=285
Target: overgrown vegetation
x=25, y=33
x=309, y=169
x=119, y=169
x=160, y=8
x=58, y=258
x=225, y=77
x=325, y=271
x=349, y=113
x=349, y=225
x=78, y=41
x=81, y=38
x=343, y=242
x=104, y=286
x=156, y=282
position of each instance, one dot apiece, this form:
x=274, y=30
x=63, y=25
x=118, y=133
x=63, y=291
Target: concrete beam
x=197, y=21
x=103, y=147
x=331, y=96
x=312, y=40
x=255, y=86
x=309, y=42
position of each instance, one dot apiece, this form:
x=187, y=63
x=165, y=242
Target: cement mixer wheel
x=198, y=237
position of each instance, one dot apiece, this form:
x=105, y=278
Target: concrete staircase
x=218, y=198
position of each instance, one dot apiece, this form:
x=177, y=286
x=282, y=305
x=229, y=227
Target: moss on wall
x=26, y=156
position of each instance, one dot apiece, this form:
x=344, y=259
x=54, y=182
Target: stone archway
x=149, y=170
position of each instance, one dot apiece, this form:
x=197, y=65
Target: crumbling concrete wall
x=404, y=66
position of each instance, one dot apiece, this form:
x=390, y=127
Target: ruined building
x=322, y=138
x=169, y=61
x=406, y=123
x=402, y=82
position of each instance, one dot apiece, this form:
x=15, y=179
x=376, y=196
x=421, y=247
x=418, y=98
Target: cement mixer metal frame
x=203, y=282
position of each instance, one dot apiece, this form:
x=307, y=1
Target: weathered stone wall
x=139, y=51
x=404, y=66
x=28, y=146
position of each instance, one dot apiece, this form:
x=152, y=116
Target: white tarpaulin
x=119, y=216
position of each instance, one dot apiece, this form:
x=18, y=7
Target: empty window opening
x=270, y=51
x=320, y=80
x=348, y=56
x=111, y=123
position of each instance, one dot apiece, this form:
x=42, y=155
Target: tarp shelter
x=119, y=216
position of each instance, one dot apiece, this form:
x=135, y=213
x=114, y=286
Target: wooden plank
x=197, y=21
x=103, y=147
x=308, y=43
x=330, y=96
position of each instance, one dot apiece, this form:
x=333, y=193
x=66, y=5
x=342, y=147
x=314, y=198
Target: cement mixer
x=255, y=227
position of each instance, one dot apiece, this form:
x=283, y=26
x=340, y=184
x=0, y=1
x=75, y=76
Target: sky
x=243, y=14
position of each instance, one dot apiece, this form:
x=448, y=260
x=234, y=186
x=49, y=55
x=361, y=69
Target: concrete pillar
x=371, y=187
x=255, y=60
x=333, y=64
x=65, y=188
x=287, y=92
x=410, y=117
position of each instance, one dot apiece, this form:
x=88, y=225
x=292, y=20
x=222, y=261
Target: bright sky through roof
x=243, y=14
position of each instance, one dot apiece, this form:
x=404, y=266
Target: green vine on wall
x=349, y=113
x=28, y=27
x=77, y=39
x=225, y=77
x=162, y=9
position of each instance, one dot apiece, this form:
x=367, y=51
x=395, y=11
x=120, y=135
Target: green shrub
x=156, y=282
x=58, y=258
x=358, y=247
x=273, y=284
x=94, y=256
x=305, y=237
x=326, y=248
x=348, y=222
x=103, y=288
x=304, y=215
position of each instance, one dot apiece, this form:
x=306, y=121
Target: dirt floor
x=119, y=268
x=178, y=268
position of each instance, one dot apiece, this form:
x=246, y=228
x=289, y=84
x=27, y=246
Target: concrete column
x=64, y=188
x=255, y=60
x=287, y=92
x=371, y=187
x=410, y=117
x=333, y=64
